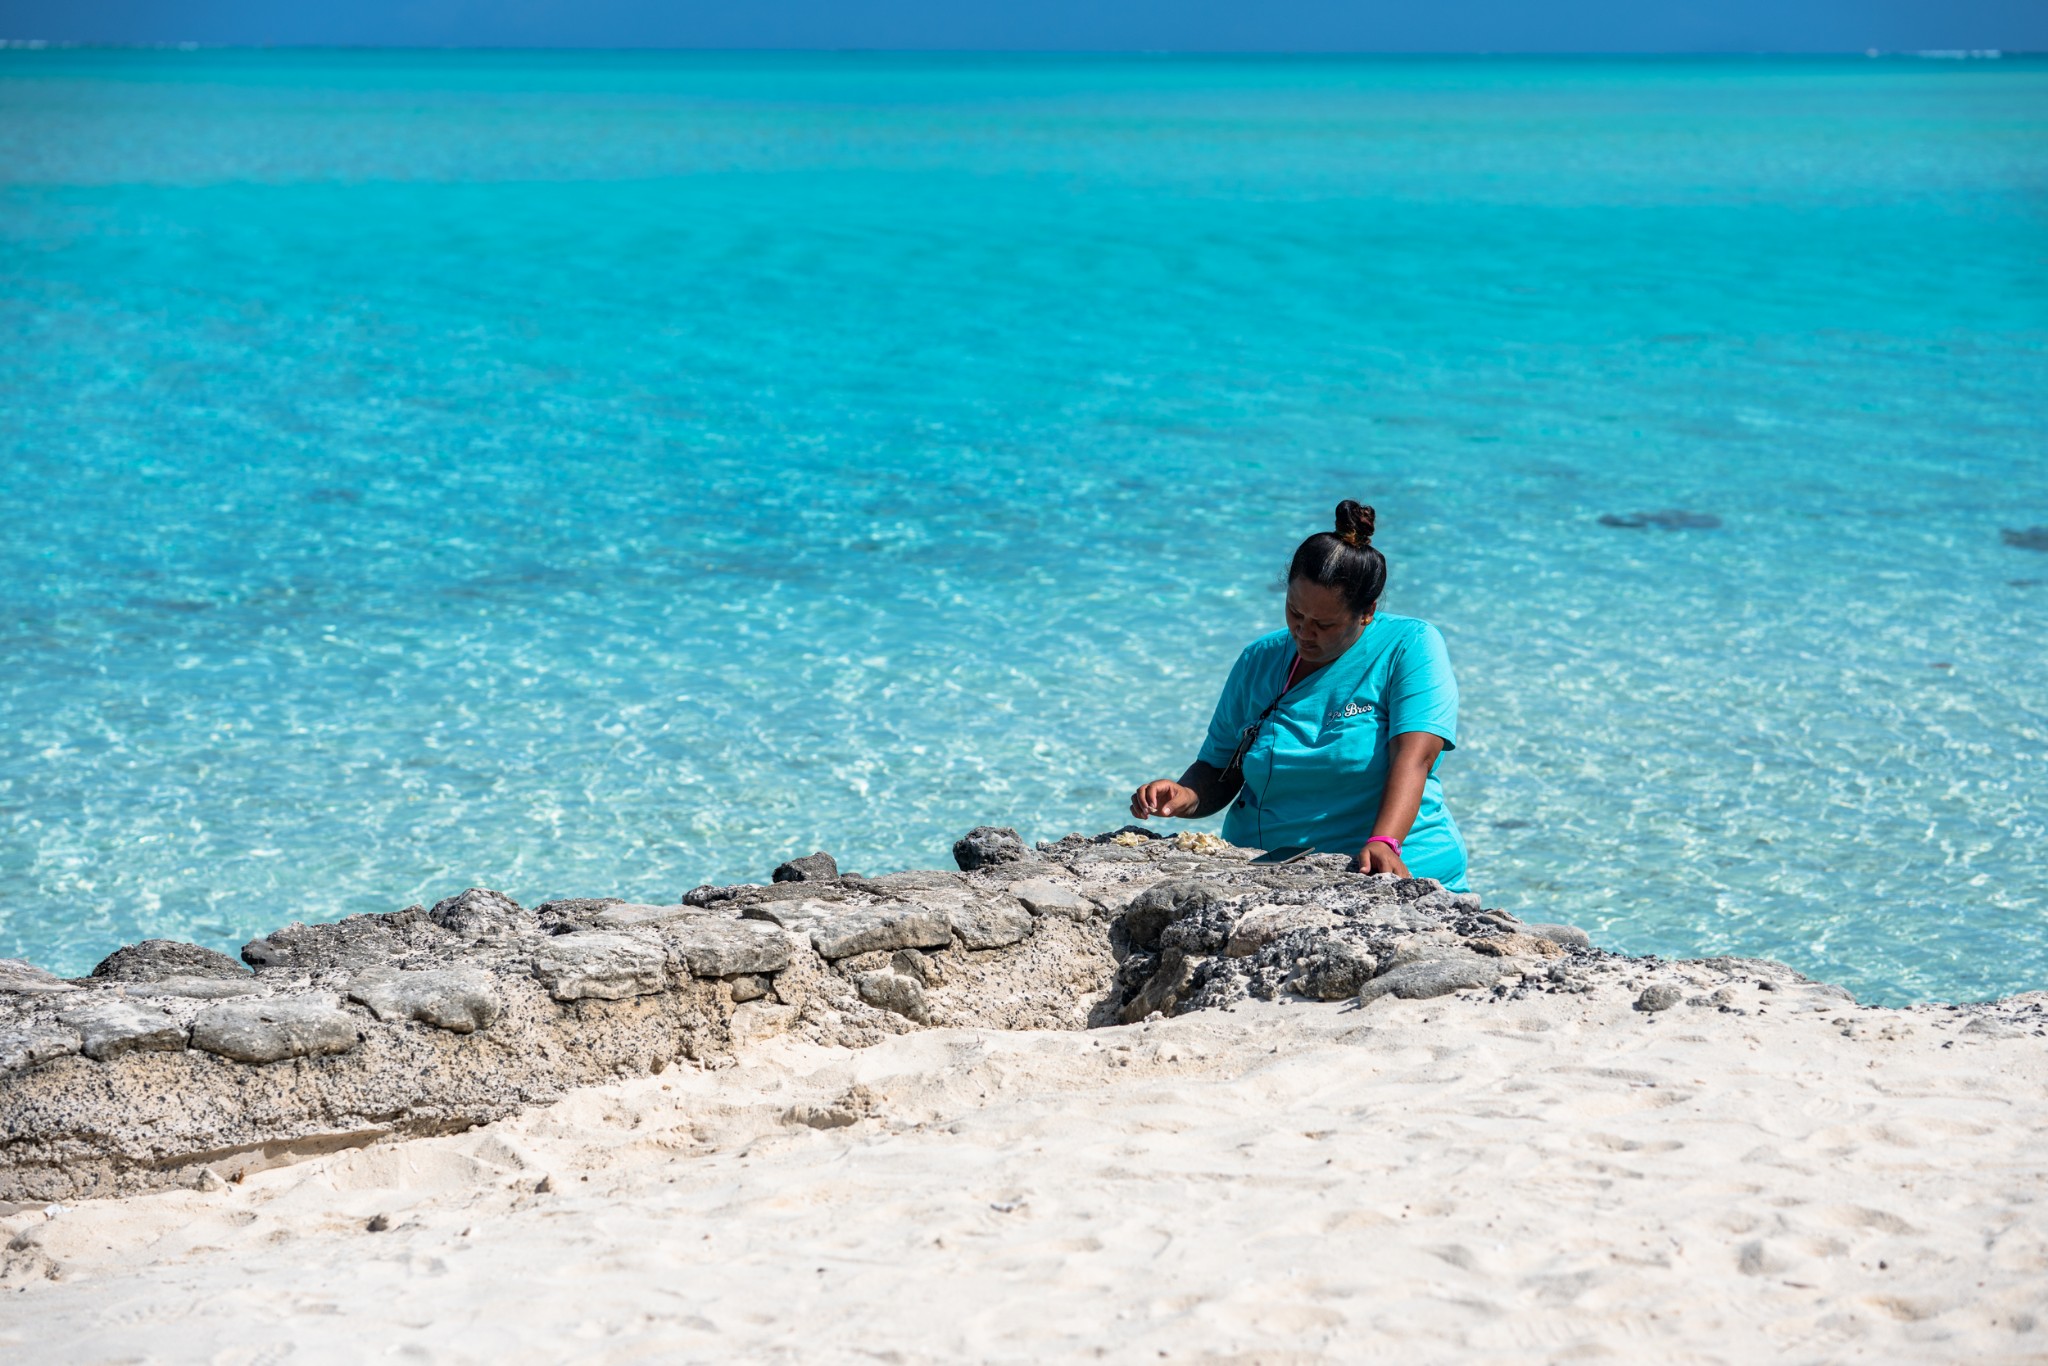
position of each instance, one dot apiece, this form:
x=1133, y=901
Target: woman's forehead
x=1309, y=597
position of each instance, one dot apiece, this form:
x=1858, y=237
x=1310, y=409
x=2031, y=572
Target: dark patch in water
x=349, y=496
x=1512, y=823
x=1669, y=519
x=170, y=604
x=2025, y=583
x=2029, y=538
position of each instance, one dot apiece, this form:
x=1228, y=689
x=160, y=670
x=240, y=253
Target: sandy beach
x=1552, y=1178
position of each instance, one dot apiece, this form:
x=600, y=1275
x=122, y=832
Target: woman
x=1327, y=733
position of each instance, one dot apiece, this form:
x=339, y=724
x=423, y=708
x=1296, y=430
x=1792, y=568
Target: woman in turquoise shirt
x=1327, y=733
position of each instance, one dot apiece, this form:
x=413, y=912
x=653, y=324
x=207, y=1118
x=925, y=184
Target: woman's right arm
x=1201, y=791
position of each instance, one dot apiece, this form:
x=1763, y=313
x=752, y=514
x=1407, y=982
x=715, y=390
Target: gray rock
x=197, y=988
x=1567, y=936
x=601, y=966
x=989, y=924
x=480, y=913
x=1261, y=925
x=1659, y=996
x=1147, y=915
x=986, y=846
x=109, y=1028
x=21, y=1049
x=883, y=928
x=889, y=990
x=633, y=915
x=719, y=946
x=25, y=979
x=276, y=1028
x=460, y=1000
x=1432, y=977
x=1337, y=969
x=748, y=987
x=799, y=917
x=818, y=867
x=155, y=959
x=1042, y=896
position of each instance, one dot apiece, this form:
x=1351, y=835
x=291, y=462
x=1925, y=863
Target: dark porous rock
x=459, y=1000
x=717, y=946
x=986, y=846
x=600, y=966
x=480, y=914
x=1141, y=922
x=276, y=1028
x=818, y=867
x=570, y=914
x=1429, y=978
x=887, y=989
x=1333, y=970
x=109, y=1028
x=882, y=928
x=1659, y=996
x=155, y=959
x=2025, y=538
x=989, y=925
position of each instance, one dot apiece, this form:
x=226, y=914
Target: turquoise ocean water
x=603, y=473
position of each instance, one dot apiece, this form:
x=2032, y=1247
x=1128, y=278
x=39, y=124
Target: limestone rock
x=155, y=959
x=25, y=979
x=748, y=987
x=1659, y=996
x=1515, y=946
x=480, y=913
x=799, y=917
x=1261, y=925
x=1335, y=969
x=716, y=946
x=989, y=924
x=275, y=1028
x=459, y=1000
x=23, y=1048
x=873, y=928
x=1042, y=896
x=986, y=846
x=887, y=989
x=1426, y=978
x=198, y=988
x=1564, y=936
x=600, y=966
x=109, y=1028
x=818, y=867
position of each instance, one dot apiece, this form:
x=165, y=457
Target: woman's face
x=1322, y=626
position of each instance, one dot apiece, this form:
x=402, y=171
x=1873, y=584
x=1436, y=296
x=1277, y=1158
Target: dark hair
x=1344, y=559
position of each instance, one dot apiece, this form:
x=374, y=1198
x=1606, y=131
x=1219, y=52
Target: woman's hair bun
x=1354, y=524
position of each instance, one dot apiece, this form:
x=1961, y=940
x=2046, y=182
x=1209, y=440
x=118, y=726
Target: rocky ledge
x=175, y=1065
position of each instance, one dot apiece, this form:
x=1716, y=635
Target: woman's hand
x=1379, y=857
x=1164, y=797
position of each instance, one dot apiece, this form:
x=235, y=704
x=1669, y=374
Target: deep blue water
x=596, y=473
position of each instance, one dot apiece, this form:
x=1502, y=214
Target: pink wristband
x=1387, y=840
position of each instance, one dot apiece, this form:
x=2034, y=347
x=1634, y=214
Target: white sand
x=1540, y=1180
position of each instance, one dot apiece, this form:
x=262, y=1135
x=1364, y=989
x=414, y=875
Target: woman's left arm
x=1408, y=768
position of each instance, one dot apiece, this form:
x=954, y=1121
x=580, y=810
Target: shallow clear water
x=602, y=474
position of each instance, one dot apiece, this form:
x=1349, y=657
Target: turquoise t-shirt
x=1316, y=773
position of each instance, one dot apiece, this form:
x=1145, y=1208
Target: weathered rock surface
x=107, y=1028
x=272, y=1030
x=461, y=1000
x=818, y=867
x=989, y=925
x=155, y=959
x=718, y=947
x=427, y=1021
x=600, y=966
x=987, y=846
x=881, y=928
